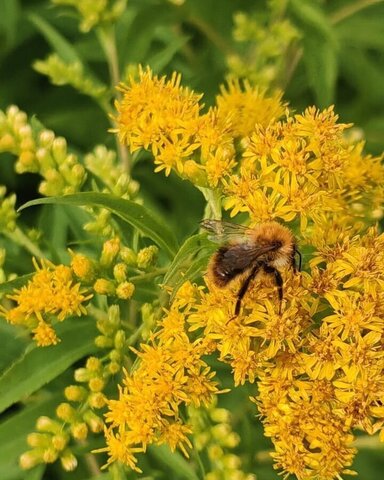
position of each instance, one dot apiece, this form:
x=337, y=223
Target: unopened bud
x=110, y=251
x=125, y=290
x=104, y=287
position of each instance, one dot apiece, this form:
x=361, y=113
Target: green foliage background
x=338, y=58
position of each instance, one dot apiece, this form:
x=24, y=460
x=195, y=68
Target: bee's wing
x=223, y=232
x=233, y=260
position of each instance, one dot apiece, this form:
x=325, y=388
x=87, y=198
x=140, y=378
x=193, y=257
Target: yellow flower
x=247, y=107
x=118, y=449
x=50, y=294
x=44, y=335
x=154, y=109
x=317, y=358
x=174, y=434
x=170, y=373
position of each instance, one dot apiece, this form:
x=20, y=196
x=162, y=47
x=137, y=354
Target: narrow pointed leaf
x=37, y=366
x=130, y=212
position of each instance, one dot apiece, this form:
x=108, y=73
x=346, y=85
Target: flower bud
x=128, y=256
x=82, y=267
x=120, y=340
x=93, y=364
x=110, y=251
x=103, y=342
x=94, y=422
x=120, y=272
x=68, y=461
x=75, y=393
x=96, y=384
x=46, y=424
x=36, y=439
x=114, y=368
x=50, y=455
x=66, y=412
x=97, y=400
x=59, y=149
x=82, y=375
x=46, y=138
x=31, y=458
x=147, y=256
x=79, y=430
x=59, y=442
x=125, y=290
x=104, y=287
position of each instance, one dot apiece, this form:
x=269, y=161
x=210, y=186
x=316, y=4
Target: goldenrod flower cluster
x=212, y=433
x=319, y=364
x=95, y=13
x=39, y=151
x=80, y=414
x=8, y=213
x=166, y=118
x=50, y=296
x=102, y=163
x=113, y=273
x=262, y=47
x=75, y=418
x=171, y=373
x=70, y=73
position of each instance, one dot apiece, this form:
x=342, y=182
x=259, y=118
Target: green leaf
x=173, y=461
x=320, y=49
x=64, y=48
x=163, y=58
x=320, y=60
x=18, y=282
x=312, y=19
x=190, y=259
x=10, y=10
x=12, y=343
x=130, y=212
x=36, y=366
x=193, y=272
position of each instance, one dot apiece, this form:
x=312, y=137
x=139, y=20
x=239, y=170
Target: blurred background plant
x=59, y=63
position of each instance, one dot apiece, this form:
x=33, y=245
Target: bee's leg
x=278, y=280
x=244, y=287
x=296, y=252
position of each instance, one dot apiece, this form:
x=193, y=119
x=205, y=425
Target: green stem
x=197, y=456
x=213, y=207
x=212, y=35
x=117, y=471
x=107, y=41
x=351, y=9
x=135, y=336
x=149, y=276
x=21, y=239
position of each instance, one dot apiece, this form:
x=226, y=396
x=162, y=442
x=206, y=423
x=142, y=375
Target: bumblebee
x=246, y=252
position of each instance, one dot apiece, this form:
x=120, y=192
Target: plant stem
x=351, y=9
x=149, y=276
x=212, y=35
x=21, y=239
x=107, y=40
x=213, y=207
